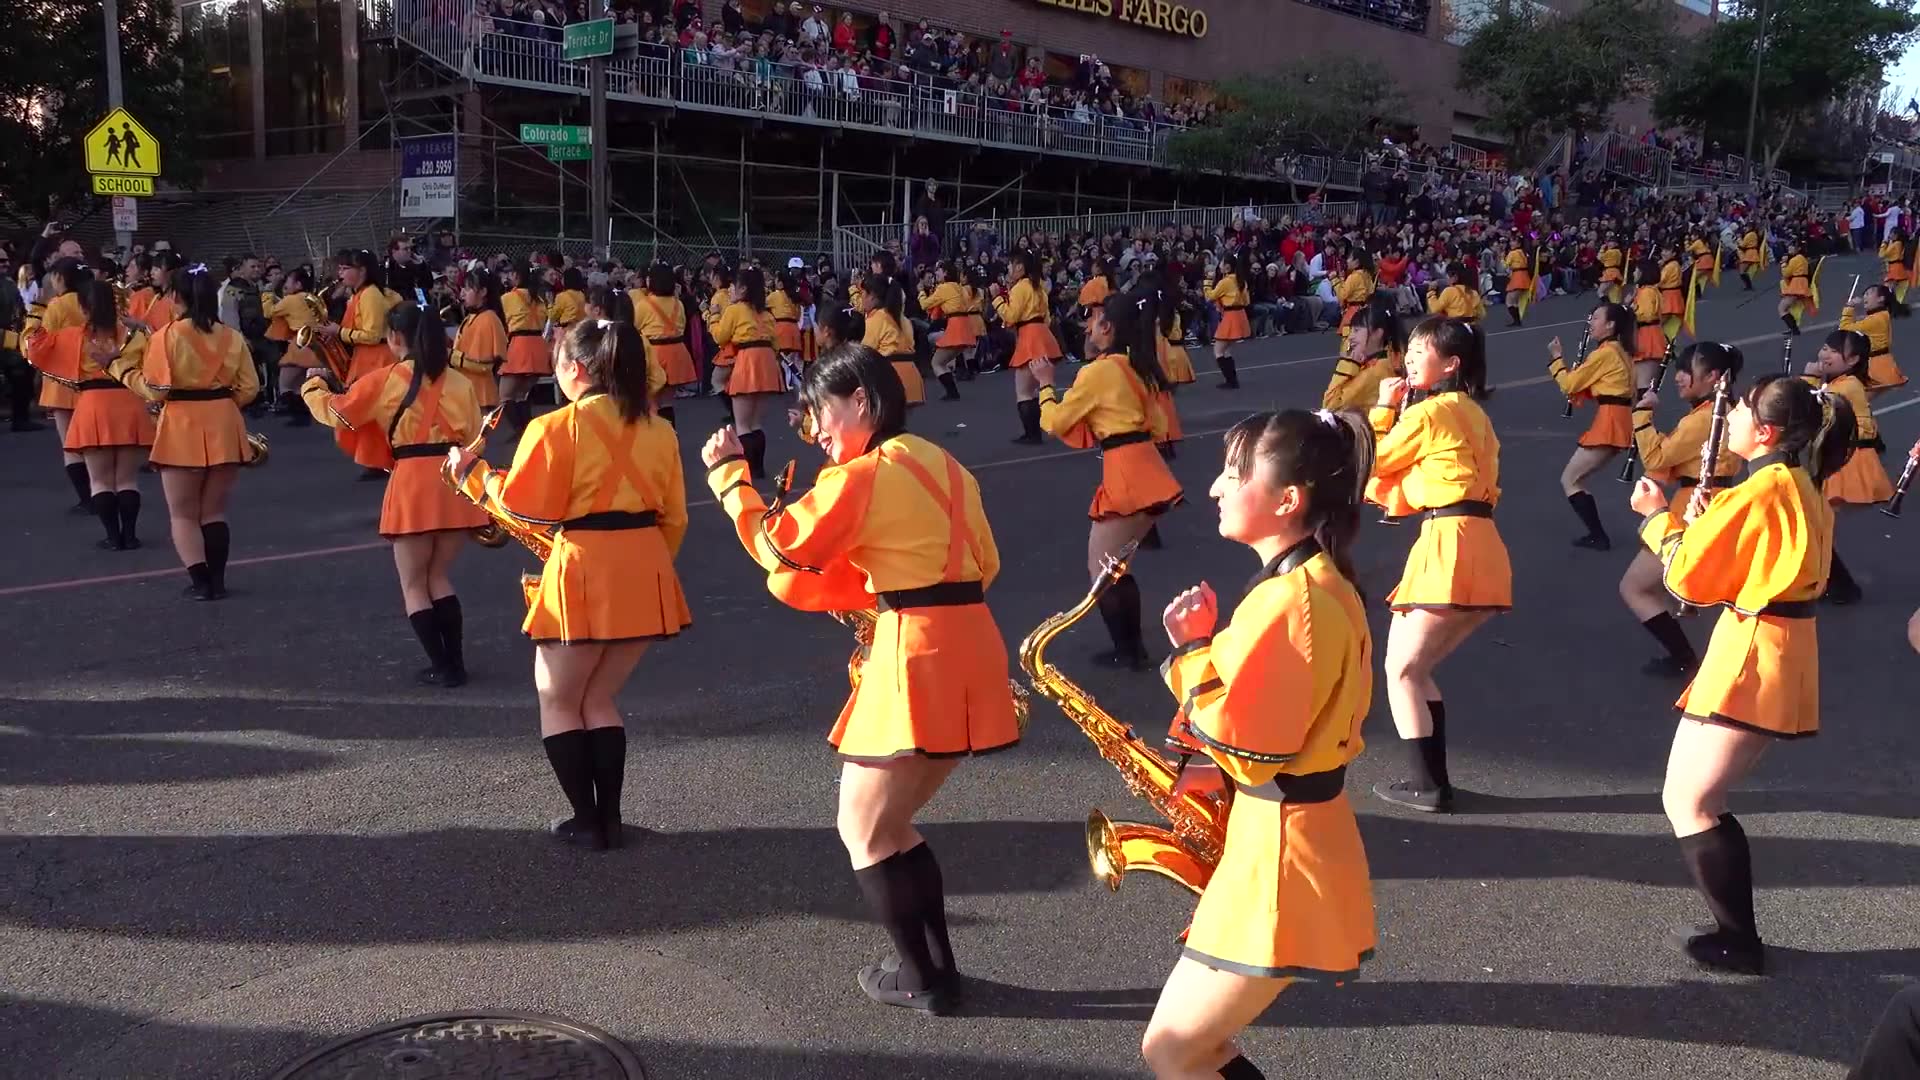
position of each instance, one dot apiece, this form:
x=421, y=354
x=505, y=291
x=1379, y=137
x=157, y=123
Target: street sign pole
x=598, y=221
x=110, y=18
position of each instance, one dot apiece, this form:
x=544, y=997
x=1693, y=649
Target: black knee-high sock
x=1228, y=370
x=427, y=629
x=1746, y=281
x=1666, y=630
x=667, y=414
x=20, y=397
x=219, y=541
x=892, y=895
x=1588, y=512
x=1722, y=867
x=933, y=908
x=1840, y=583
x=754, y=445
x=1434, y=748
x=82, y=489
x=609, y=753
x=1029, y=419
x=571, y=755
x=1793, y=324
x=952, y=387
x=450, y=625
x=1120, y=610
x=107, y=509
x=1241, y=1069
x=128, y=504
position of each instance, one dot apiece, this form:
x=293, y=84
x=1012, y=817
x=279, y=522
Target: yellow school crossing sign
x=122, y=156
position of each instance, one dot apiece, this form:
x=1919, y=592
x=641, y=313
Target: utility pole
x=601, y=221
x=1753, y=102
x=116, y=97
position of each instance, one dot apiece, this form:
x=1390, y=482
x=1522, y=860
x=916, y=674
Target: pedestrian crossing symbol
x=119, y=146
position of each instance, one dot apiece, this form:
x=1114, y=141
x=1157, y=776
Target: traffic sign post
x=587, y=40
x=126, y=214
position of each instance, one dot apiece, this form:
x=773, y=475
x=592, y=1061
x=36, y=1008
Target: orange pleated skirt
x=1174, y=433
x=418, y=501
x=527, y=354
x=1519, y=280
x=55, y=395
x=368, y=359
x=1175, y=363
x=603, y=586
x=1292, y=897
x=200, y=435
x=910, y=380
x=486, y=388
x=677, y=361
x=1457, y=563
x=297, y=357
x=1134, y=479
x=934, y=683
x=1034, y=342
x=1649, y=343
x=1234, y=326
x=1884, y=372
x=109, y=416
x=959, y=333
x=1612, y=426
x=756, y=371
x=1861, y=481
x=1673, y=302
x=1798, y=287
x=786, y=335
x=1761, y=673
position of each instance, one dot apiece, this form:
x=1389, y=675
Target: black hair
x=1237, y=264
x=1895, y=307
x=851, y=366
x=1029, y=264
x=847, y=325
x=426, y=351
x=1329, y=454
x=1462, y=340
x=97, y=300
x=790, y=284
x=74, y=275
x=533, y=279
x=199, y=297
x=483, y=279
x=1854, y=346
x=1135, y=318
x=615, y=360
x=1646, y=272
x=1707, y=359
x=888, y=264
x=369, y=265
x=661, y=280
x=296, y=273
x=1379, y=316
x=614, y=303
x=1817, y=430
x=1103, y=267
x=1458, y=274
x=1619, y=318
x=572, y=278
x=753, y=283
x=888, y=293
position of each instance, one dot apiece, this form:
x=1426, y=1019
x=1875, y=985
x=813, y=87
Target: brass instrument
x=1892, y=509
x=1711, y=449
x=332, y=351
x=1186, y=853
x=504, y=526
x=259, y=444
x=1580, y=356
x=121, y=296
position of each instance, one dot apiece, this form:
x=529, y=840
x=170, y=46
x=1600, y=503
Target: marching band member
x=1650, y=339
x=1459, y=300
x=606, y=476
x=1796, y=285
x=746, y=329
x=1112, y=404
x=1611, y=259
x=1674, y=458
x=1673, y=291
x=1439, y=455
x=1276, y=699
x=1899, y=269
x=1882, y=307
x=1023, y=308
x=890, y=334
x=295, y=310
x=424, y=411
x=529, y=358
x=202, y=371
x=1750, y=260
x=1604, y=378
x=1519, y=278
x=1760, y=548
x=1373, y=354
x=720, y=366
x=1356, y=291
x=662, y=321
x=893, y=523
x=110, y=426
x=141, y=293
x=1175, y=363
x=1229, y=291
x=159, y=310
x=569, y=303
x=1842, y=370
x=784, y=300
x=363, y=329
x=65, y=280
x=481, y=345
x=1703, y=260
x=954, y=299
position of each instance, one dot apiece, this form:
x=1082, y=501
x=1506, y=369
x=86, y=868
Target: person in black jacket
x=411, y=279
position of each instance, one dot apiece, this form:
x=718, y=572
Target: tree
x=1328, y=106
x=1538, y=72
x=1816, y=52
x=53, y=83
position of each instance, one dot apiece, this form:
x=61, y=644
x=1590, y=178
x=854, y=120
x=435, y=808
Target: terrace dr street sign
x=556, y=135
x=558, y=152
x=587, y=40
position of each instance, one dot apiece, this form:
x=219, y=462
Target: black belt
x=780, y=320
x=1875, y=444
x=1655, y=322
x=1611, y=399
x=1312, y=787
x=211, y=393
x=613, y=520
x=423, y=449
x=681, y=340
x=738, y=345
x=1028, y=322
x=1125, y=439
x=903, y=358
x=1233, y=307
x=523, y=333
x=945, y=594
x=1883, y=352
x=1694, y=481
x=97, y=384
x=1464, y=508
x=1791, y=609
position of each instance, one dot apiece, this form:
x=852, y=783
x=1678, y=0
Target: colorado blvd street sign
x=556, y=135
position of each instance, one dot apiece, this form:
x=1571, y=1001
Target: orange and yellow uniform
x=899, y=530
x=139, y=299
x=662, y=322
x=1457, y=302
x=1276, y=698
x=1441, y=455
x=1674, y=458
x=1649, y=339
x=1894, y=254
x=748, y=336
x=1796, y=278
x=204, y=378
x=1094, y=292
x=1175, y=362
x=478, y=349
x=569, y=307
x=363, y=330
x=527, y=349
x=288, y=316
x=1673, y=296
x=61, y=312
x=1862, y=481
x=1611, y=259
x=1749, y=250
x=443, y=413
x=1354, y=293
x=105, y=413
x=786, y=321
x=1023, y=308
x=1762, y=548
x=1356, y=383
x=1606, y=378
x=1109, y=406
x=1878, y=326
x=1519, y=271
x=956, y=304
x=1230, y=294
x=1703, y=262
x=893, y=340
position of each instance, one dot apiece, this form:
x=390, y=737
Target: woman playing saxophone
x=1276, y=698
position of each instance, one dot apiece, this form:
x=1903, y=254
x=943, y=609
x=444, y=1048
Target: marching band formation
x=893, y=538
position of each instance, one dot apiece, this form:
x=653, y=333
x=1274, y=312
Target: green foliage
x=1816, y=51
x=1327, y=106
x=53, y=83
x=1538, y=72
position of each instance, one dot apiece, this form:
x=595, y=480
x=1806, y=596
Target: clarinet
x=1711, y=449
x=1580, y=357
x=1786, y=354
x=1633, y=448
x=1892, y=509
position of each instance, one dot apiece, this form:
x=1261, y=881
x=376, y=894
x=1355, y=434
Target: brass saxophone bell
x=491, y=535
x=258, y=443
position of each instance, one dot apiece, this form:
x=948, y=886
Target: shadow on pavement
x=1889, y=804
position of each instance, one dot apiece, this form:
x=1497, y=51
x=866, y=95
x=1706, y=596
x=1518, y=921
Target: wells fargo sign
x=1168, y=18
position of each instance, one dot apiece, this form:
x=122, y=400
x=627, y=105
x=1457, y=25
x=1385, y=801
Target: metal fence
x=772, y=250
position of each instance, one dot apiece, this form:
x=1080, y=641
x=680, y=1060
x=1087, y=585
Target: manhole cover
x=501, y=1046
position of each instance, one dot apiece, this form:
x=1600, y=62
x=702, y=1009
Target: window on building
x=220, y=27
x=306, y=102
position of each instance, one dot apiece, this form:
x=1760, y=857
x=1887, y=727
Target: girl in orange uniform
x=1882, y=307
x=1229, y=293
x=202, y=371
x=1373, y=353
x=363, y=329
x=1023, y=309
x=784, y=300
x=296, y=310
x=569, y=303
x=746, y=329
x=1175, y=363
x=1673, y=291
x=605, y=476
x=1898, y=255
x=1762, y=549
x=1113, y=404
x=1439, y=455
x=1649, y=340
x=110, y=427
x=424, y=410
x=1612, y=278
x=523, y=308
x=481, y=345
x=893, y=524
x=1356, y=291
x=1674, y=458
x=890, y=334
x=953, y=299
x=1604, y=378
x=1275, y=698
x=1519, y=278
x=1099, y=285
x=138, y=277
x=1842, y=371
x=662, y=321
x=65, y=280
x=1796, y=286
x=1459, y=300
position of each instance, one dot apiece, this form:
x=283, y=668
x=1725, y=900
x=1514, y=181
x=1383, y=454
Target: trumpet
x=504, y=526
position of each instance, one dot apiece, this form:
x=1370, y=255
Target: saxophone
x=504, y=526
x=1188, y=851
x=333, y=354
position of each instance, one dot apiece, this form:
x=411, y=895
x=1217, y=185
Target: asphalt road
x=235, y=831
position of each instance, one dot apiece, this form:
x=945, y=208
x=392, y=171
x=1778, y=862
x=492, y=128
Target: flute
x=1892, y=509
x=1580, y=356
x=1711, y=449
x=1633, y=448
